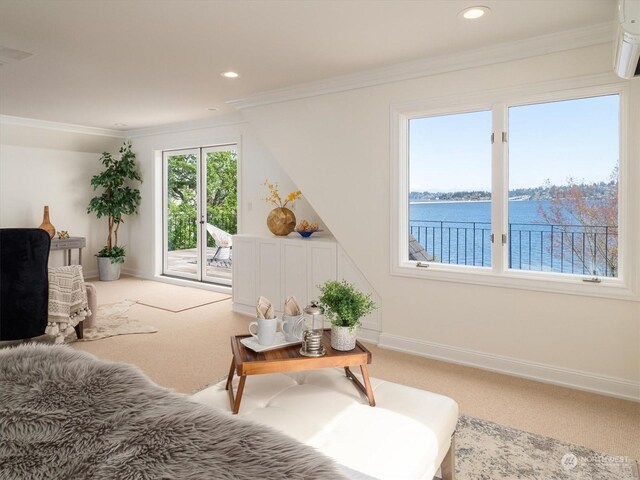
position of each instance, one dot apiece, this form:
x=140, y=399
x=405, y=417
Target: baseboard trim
x=243, y=309
x=368, y=335
x=576, y=379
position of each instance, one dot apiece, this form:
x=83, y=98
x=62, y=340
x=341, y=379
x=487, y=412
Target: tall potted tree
x=118, y=199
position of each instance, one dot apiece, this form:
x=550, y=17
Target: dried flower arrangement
x=276, y=200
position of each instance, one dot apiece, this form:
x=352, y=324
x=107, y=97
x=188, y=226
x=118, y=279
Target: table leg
x=448, y=467
x=80, y=256
x=232, y=369
x=234, y=400
x=79, y=330
x=366, y=388
x=236, y=405
x=367, y=384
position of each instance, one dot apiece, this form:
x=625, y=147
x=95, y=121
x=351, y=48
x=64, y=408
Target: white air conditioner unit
x=628, y=47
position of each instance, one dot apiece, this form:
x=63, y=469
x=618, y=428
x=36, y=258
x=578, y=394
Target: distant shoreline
x=466, y=201
x=449, y=201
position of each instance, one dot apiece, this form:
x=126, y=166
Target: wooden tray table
x=288, y=359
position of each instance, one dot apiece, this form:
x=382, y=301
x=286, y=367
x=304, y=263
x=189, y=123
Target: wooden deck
x=185, y=261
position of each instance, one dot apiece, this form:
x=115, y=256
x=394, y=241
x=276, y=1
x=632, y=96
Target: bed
x=66, y=414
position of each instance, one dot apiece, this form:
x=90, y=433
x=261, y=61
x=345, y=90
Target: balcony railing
x=577, y=249
x=182, y=231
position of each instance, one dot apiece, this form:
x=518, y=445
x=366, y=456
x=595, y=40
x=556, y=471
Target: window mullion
x=499, y=188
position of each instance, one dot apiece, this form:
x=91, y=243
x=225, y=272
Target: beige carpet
x=192, y=349
x=177, y=298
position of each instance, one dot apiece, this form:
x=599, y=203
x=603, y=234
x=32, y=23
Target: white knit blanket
x=67, y=301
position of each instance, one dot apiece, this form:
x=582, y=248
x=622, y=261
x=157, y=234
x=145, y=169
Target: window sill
x=613, y=288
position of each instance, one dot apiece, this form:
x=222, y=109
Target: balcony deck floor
x=185, y=261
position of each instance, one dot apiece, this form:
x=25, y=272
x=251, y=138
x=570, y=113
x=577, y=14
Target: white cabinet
x=267, y=270
x=278, y=267
x=244, y=269
x=294, y=270
x=322, y=266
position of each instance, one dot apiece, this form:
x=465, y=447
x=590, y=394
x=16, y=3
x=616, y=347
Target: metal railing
x=182, y=229
x=577, y=249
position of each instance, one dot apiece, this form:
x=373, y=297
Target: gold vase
x=281, y=221
x=46, y=224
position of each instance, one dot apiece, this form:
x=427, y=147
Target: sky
x=549, y=141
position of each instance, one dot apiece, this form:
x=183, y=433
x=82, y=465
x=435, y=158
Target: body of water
x=519, y=211
x=459, y=233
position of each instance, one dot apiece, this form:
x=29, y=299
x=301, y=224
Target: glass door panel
x=181, y=206
x=220, y=169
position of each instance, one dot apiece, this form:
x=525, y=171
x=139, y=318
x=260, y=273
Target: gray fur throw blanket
x=65, y=414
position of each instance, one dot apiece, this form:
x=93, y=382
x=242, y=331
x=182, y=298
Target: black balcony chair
x=24, y=286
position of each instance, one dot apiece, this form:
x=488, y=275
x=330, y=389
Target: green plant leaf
x=344, y=304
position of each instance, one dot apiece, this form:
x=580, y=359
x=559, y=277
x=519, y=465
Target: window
x=563, y=186
x=450, y=189
x=522, y=192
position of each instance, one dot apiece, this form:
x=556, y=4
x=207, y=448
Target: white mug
x=292, y=327
x=265, y=330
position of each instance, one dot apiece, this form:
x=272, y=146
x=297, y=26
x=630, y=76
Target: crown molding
x=531, y=47
x=60, y=127
x=230, y=119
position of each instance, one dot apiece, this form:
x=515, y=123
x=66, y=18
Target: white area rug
x=112, y=320
x=176, y=299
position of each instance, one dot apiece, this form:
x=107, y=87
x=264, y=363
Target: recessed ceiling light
x=212, y=109
x=121, y=125
x=229, y=74
x=472, y=13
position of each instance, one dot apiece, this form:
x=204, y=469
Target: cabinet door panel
x=269, y=271
x=294, y=271
x=244, y=270
x=322, y=266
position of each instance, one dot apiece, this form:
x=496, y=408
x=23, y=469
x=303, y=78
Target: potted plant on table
x=118, y=199
x=345, y=306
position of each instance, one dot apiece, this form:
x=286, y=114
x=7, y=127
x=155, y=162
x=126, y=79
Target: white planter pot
x=108, y=271
x=343, y=338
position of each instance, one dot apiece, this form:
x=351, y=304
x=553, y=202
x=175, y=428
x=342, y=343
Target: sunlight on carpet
x=176, y=299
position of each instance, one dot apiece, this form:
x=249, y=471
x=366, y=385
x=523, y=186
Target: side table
x=288, y=359
x=68, y=244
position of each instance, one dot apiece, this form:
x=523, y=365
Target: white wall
x=256, y=165
x=44, y=167
x=593, y=343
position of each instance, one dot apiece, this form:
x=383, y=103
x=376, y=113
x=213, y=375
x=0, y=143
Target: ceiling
x=125, y=64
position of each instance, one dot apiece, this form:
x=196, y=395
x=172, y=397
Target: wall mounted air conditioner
x=627, y=62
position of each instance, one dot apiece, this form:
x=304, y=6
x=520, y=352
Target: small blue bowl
x=305, y=234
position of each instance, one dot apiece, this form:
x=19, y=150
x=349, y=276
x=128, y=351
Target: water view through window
x=562, y=187
x=450, y=189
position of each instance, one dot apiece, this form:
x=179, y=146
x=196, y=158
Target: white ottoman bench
x=407, y=435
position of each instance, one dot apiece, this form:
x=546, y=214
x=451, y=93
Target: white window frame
x=499, y=101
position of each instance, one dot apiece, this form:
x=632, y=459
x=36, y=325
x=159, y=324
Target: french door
x=200, y=212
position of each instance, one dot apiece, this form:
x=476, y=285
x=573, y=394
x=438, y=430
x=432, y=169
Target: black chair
x=24, y=285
